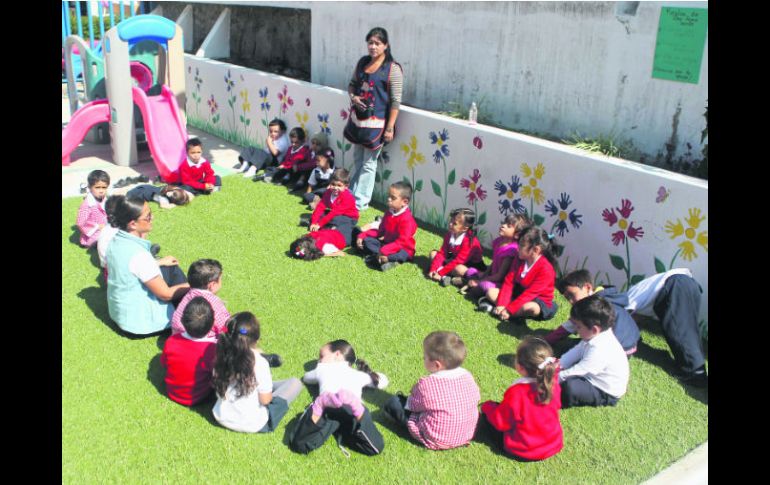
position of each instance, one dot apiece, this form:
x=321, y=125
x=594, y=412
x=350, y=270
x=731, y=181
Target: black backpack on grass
x=362, y=436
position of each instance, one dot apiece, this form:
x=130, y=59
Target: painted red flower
x=624, y=224
x=635, y=232
x=609, y=216
x=307, y=101
x=626, y=208
x=475, y=191
x=344, y=114
x=618, y=237
x=477, y=142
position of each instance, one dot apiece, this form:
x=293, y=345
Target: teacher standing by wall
x=375, y=96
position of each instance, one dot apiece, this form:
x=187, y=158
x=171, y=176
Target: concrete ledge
x=693, y=469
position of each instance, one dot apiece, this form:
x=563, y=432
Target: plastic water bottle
x=473, y=113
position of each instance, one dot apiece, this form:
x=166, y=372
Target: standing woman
x=375, y=96
x=140, y=288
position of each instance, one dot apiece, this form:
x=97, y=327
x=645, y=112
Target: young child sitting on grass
x=205, y=279
x=92, y=216
x=319, y=178
x=319, y=143
x=577, y=285
x=392, y=243
x=442, y=410
x=252, y=159
x=460, y=252
x=188, y=357
x=298, y=153
x=595, y=372
x=527, y=422
x=337, y=207
x=195, y=174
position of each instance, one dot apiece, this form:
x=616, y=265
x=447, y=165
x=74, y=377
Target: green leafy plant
x=604, y=144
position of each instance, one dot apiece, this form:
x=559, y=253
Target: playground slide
x=82, y=120
x=165, y=131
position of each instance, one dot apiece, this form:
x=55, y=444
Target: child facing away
x=339, y=399
x=595, y=372
x=317, y=244
x=107, y=234
x=319, y=143
x=577, y=285
x=195, y=173
x=392, y=243
x=248, y=400
x=167, y=196
x=527, y=422
x=319, y=178
x=253, y=159
x=441, y=412
x=205, y=279
x=505, y=248
x=460, y=251
x=92, y=216
x=337, y=207
x=298, y=153
x=188, y=357
x=527, y=291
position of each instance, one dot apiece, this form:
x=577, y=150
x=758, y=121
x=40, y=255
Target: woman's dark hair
x=382, y=35
x=109, y=206
x=469, y=220
x=537, y=236
x=349, y=355
x=98, y=176
x=198, y=317
x=531, y=354
x=299, y=133
x=235, y=355
x=176, y=195
x=305, y=248
x=125, y=210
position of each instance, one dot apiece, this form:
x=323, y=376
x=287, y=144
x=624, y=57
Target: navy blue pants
x=145, y=192
x=345, y=226
x=676, y=306
x=372, y=245
x=217, y=183
x=173, y=275
x=577, y=391
x=395, y=408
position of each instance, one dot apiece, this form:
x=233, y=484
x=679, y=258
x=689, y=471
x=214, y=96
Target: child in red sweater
x=337, y=207
x=392, y=243
x=527, y=291
x=317, y=244
x=188, y=357
x=297, y=154
x=461, y=250
x=195, y=173
x=528, y=417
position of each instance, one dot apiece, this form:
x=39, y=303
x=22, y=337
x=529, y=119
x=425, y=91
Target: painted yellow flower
x=246, y=105
x=410, y=151
x=302, y=119
x=690, y=233
x=530, y=188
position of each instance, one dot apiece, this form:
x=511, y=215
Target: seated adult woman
x=139, y=287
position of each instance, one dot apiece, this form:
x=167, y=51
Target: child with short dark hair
x=442, y=410
x=205, y=279
x=297, y=153
x=188, y=357
x=527, y=291
x=253, y=159
x=460, y=251
x=195, y=173
x=317, y=244
x=526, y=422
x=577, y=285
x=337, y=207
x=392, y=243
x=92, y=217
x=319, y=143
x=248, y=400
x=319, y=178
x=595, y=372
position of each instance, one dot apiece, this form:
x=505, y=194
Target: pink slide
x=82, y=120
x=166, y=133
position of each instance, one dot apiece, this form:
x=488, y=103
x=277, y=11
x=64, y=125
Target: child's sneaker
x=457, y=281
x=250, y=172
x=300, y=184
x=389, y=265
x=238, y=166
x=314, y=203
x=304, y=219
x=446, y=281
x=267, y=179
x=464, y=290
x=273, y=360
x=484, y=305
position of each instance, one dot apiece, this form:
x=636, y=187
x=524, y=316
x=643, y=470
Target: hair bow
x=548, y=360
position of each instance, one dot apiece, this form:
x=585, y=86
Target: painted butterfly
x=663, y=194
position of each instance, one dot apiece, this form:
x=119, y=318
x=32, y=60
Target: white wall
x=667, y=213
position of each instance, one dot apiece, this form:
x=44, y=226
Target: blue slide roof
x=147, y=27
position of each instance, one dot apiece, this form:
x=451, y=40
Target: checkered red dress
x=90, y=215
x=444, y=410
x=221, y=315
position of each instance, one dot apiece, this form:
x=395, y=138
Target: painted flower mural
x=442, y=149
x=413, y=158
x=285, y=99
x=323, y=118
x=507, y=192
x=532, y=191
x=440, y=156
x=474, y=188
x=626, y=232
x=689, y=235
x=563, y=219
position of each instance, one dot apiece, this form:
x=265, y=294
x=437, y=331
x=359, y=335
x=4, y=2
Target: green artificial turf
x=119, y=427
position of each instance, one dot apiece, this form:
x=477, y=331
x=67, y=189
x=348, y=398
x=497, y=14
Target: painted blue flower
x=323, y=118
x=264, y=106
x=198, y=80
x=509, y=203
x=229, y=81
x=263, y=92
x=560, y=212
x=440, y=140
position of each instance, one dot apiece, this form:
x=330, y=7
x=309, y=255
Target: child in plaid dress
x=442, y=410
x=92, y=217
x=205, y=278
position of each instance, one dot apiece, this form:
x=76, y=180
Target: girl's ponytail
x=344, y=348
x=536, y=357
x=364, y=367
x=544, y=377
x=235, y=355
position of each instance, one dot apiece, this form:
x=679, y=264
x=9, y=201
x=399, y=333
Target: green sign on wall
x=679, y=47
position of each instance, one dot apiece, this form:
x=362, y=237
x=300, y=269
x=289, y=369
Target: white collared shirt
x=399, y=212
x=601, y=361
x=642, y=296
x=456, y=240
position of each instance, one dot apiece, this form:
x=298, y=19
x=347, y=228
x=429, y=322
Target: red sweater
x=343, y=205
x=397, y=233
x=467, y=251
x=530, y=429
x=196, y=176
x=308, y=164
x=328, y=236
x=295, y=157
x=538, y=283
x=189, y=365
